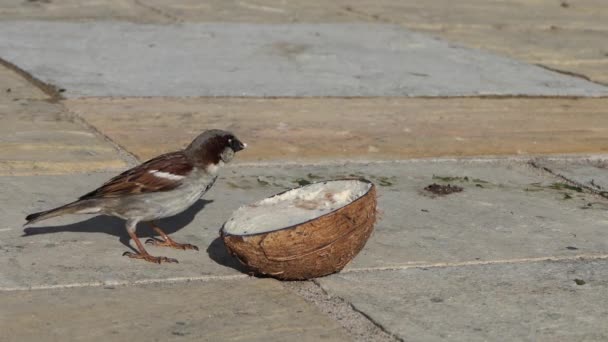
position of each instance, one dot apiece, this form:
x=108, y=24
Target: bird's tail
x=78, y=207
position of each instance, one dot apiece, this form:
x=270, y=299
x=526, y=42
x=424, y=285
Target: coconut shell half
x=312, y=248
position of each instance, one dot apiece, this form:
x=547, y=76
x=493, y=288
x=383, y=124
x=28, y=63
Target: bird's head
x=214, y=147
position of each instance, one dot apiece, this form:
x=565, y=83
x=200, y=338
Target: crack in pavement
x=571, y=73
x=345, y=162
x=603, y=194
x=378, y=18
x=128, y=283
x=376, y=323
x=51, y=90
x=131, y=159
x=171, y=17
x=357, y=324
x=579, y=257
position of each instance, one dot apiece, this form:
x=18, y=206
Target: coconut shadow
x=217, y=252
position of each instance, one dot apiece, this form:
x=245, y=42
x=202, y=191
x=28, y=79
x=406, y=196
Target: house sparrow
x=161, y=187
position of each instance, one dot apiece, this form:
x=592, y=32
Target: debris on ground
x=442, y=190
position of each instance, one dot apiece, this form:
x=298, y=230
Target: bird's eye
x=230, y=141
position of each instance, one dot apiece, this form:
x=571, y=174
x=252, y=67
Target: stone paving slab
x=37, y=137
x=79, y=10
x=506, y=14
x=574, y=50
x=507, y=211
x=83, y=249
x=544, y=301
x=220, y=59
x=566, y=35
x=246, y=310
x=315, y=129
x=591, y=173
x=588, y=14
x=161, y=12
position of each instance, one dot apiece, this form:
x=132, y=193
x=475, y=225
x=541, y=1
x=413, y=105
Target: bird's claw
x=150, y=258
x=170, y=243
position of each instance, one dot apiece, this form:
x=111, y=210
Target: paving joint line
x=578, y=257
x=378, y=18
x=374, y=17
x=447, y=159
x=572, y=74
x=172, y=280
x=357, y=324
x=171, y=17
x=124, y=153
x=52, y=91
x=523, y=160
x=345, y=97
x=354, y=308
x=175, y=280
x=376, y=323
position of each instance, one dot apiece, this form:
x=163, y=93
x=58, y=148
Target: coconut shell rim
x=224, y=233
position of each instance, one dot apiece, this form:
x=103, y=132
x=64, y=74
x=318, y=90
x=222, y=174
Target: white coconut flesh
x=294, y=207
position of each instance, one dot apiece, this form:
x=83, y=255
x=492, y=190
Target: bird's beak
x=237, y=145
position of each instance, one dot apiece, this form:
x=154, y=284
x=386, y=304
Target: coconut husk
x=315, y=248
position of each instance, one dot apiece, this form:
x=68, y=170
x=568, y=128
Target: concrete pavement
x=519, y=254
x=510, y=214
x=507, y=211
x=567, y=36
x=40, y=137
x=544, y=301
x=330, y=129
x=169, y=312
x=294, y=60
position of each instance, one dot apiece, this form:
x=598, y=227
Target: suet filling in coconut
x=294, y=207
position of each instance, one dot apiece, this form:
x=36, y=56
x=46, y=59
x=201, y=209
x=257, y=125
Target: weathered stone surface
x=250, y=310
x=261, y=60
x=566, y=35
x=370, y=129
x=506, y=211
x=544, y=301
x=582, y=55
x=84, y=249
x=37, y=137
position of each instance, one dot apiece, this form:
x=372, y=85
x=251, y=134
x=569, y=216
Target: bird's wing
x=163, y=173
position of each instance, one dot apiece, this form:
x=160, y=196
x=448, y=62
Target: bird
x=161, y=187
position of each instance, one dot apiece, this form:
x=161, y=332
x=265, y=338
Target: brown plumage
x=140, y=180
x=161, y=187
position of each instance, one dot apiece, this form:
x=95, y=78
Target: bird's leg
x=167, y=241
x=142, y=253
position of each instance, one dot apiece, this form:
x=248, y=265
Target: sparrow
x=160, y=187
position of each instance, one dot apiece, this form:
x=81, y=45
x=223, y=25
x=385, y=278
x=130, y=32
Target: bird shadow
x=115, y=226
x=217, y=252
